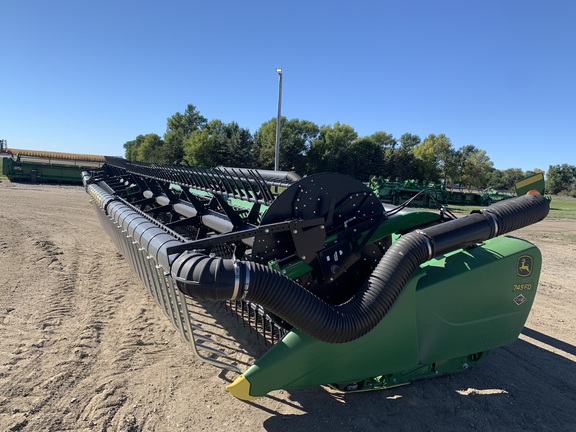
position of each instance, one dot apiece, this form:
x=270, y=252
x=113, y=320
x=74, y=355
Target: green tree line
x=307, y=148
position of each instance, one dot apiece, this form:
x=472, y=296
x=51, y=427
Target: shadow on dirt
x=520, y=387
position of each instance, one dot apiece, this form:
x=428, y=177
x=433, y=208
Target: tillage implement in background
x=348, y=292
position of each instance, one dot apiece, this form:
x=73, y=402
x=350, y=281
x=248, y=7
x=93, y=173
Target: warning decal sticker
x=519, y=299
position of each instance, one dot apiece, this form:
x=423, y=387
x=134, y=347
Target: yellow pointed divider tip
x=240, y=388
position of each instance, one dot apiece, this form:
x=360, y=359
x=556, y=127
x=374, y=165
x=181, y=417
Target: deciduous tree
x=328, y=153
x=295, y=138
x=473, y=166
x=436, y=153
x=365, y=158
x=561, y=179
x=219, y=144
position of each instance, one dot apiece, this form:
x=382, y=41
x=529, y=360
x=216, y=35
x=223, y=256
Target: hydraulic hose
x=212, y=278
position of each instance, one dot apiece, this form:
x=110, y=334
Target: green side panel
x=464, y=303
x=469, y=301
x=299, y=360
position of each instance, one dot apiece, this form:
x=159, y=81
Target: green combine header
x=349, y=292
x=35, y=166
x=429, y=194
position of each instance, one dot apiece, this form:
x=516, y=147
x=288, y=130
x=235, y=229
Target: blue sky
x=87, y=76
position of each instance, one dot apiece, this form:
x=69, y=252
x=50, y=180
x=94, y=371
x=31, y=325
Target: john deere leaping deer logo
x=524, y=267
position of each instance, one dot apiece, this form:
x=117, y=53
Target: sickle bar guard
x=348, y=292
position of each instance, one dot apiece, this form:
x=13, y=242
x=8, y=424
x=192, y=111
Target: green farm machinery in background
x=349, y=292
x=34, y=166
x=430, y=195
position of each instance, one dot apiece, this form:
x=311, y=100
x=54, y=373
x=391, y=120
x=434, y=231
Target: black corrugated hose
x=213, y=278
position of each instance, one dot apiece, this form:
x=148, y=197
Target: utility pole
x=277, y=153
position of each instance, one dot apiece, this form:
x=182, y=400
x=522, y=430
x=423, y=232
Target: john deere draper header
x=351, y=293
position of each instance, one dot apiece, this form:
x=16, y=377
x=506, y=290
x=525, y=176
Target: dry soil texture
x=84, y=348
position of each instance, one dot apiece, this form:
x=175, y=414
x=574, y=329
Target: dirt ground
x=83, y=347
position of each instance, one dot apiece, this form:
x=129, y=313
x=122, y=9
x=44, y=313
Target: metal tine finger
x=243, y=184
x=221, y=183
x=240, y=185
